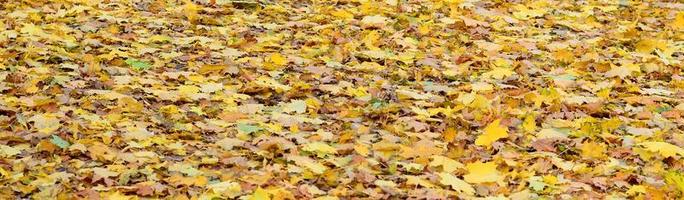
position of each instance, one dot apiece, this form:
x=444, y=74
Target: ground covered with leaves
x=427, y=99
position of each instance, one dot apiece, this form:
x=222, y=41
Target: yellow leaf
x=210, y=87
x=8, y=151
x=529, y=124
x=423, y=148
x=498, y=73
x=636, y=189
x=493, y=132
x=678, y=23
x=342, y=14
x=564, y=55
x=648, y=45
x=415, y=180
x=623, y=71
x=376, y=53
x=374, y=21
x=271, y=83
x=479, y=172
x=309, y=163
x=481, y=86
x=424, y=29
x=525, y=13
x=361, y=149
x=551, y=133
x=130, y=104
x=676, y=179
x=369, y=67
x=104, y=172
x=357, y=91
x=31, y=29
x=46, y=123
x=371, y=39
x=118, y=196
x=449, y=165
x=137, y=133
x=296, y=106
x=208, y=69
x=326, y=198
x=449, y=134
x=411, y=94
x=593, y=150
x=384, y=183
x=321, y=149
x=190, y=10
x=278, y=59
x=665, y=149
x=260, y=194
x=456, y=183
x=159, y=38
x=187, y=90
x=227, y=188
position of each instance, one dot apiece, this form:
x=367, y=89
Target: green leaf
x=246, y=128
x=138, y=64
x=61, y=143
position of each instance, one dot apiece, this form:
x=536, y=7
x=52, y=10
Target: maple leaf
x=423, y=148
x=211, y=69
x=678, y=22
x=648, y=45
x=46, y=123
x=31, y=29
x=190, y=10
x=296, y=106
x=342, y=14
x=456, y=183
x=479, y=172
x=663, y=148
x=118, y=196
x=374, y=21
x=278, y=59
x=226, y=188
x=492, y=132
x=593, y=150
x=675, y=178
x=623, y=71
x=498, y=73
x=101, y=173
x=261, y=99
x=321, y=149
x=8, y=151
x=449, y=165
x=309, y=163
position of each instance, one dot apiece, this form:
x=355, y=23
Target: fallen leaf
x=663, y=148
x=493, y=132
x=456, y=183
x=479, y=172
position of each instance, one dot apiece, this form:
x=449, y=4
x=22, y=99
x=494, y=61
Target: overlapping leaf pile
x=221, y=99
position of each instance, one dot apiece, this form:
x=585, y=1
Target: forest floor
x=344, y=99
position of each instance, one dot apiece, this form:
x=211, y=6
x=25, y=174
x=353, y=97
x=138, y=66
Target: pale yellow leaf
x=456, y=183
